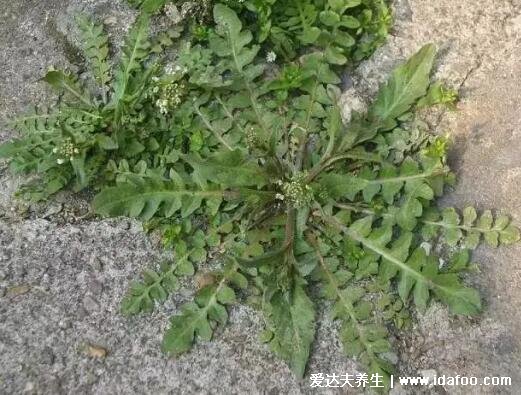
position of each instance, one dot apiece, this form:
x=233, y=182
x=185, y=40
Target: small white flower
x=55, y=150
x=271, y=57
x=279, y=196
x=60, y=161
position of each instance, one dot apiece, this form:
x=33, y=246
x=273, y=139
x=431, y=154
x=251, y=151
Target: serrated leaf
x=447, y=287
x=293, y=325
x=412, y=207
x=66, y=83
x=459, y=261
x=359, y=339
x=231, y=169
x=199, y=319
x=469, y=216
x=134, y=52
x=461, y=300
x=226, y=295
x=156, y=286
x=342, y=185
x=398, y=250
x=407, y=84
x=494, y=232
x=362, y=226
x=145, y=198
x=95, y=46
x=183, y=328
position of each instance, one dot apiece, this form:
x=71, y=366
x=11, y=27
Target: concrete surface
x=62, y=277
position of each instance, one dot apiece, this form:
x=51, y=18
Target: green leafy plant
x=72, y=143
x=261, y=189
x=347, y=31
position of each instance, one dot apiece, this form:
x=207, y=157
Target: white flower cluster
x=271, y=57
x=296, y=191
x=65, y=151
x=168, y=95
x=252, y=139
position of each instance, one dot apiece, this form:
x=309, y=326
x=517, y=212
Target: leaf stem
x=326, y=163
x=462, y=227
x=426, y=174
x=366, y=210
x=304, y=142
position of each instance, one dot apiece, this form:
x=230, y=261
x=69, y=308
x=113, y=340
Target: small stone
x=351, y=101
x=18, y=290
x=95, y=351
x=204, y=279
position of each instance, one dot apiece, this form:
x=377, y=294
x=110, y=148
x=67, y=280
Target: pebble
x=96, y=351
